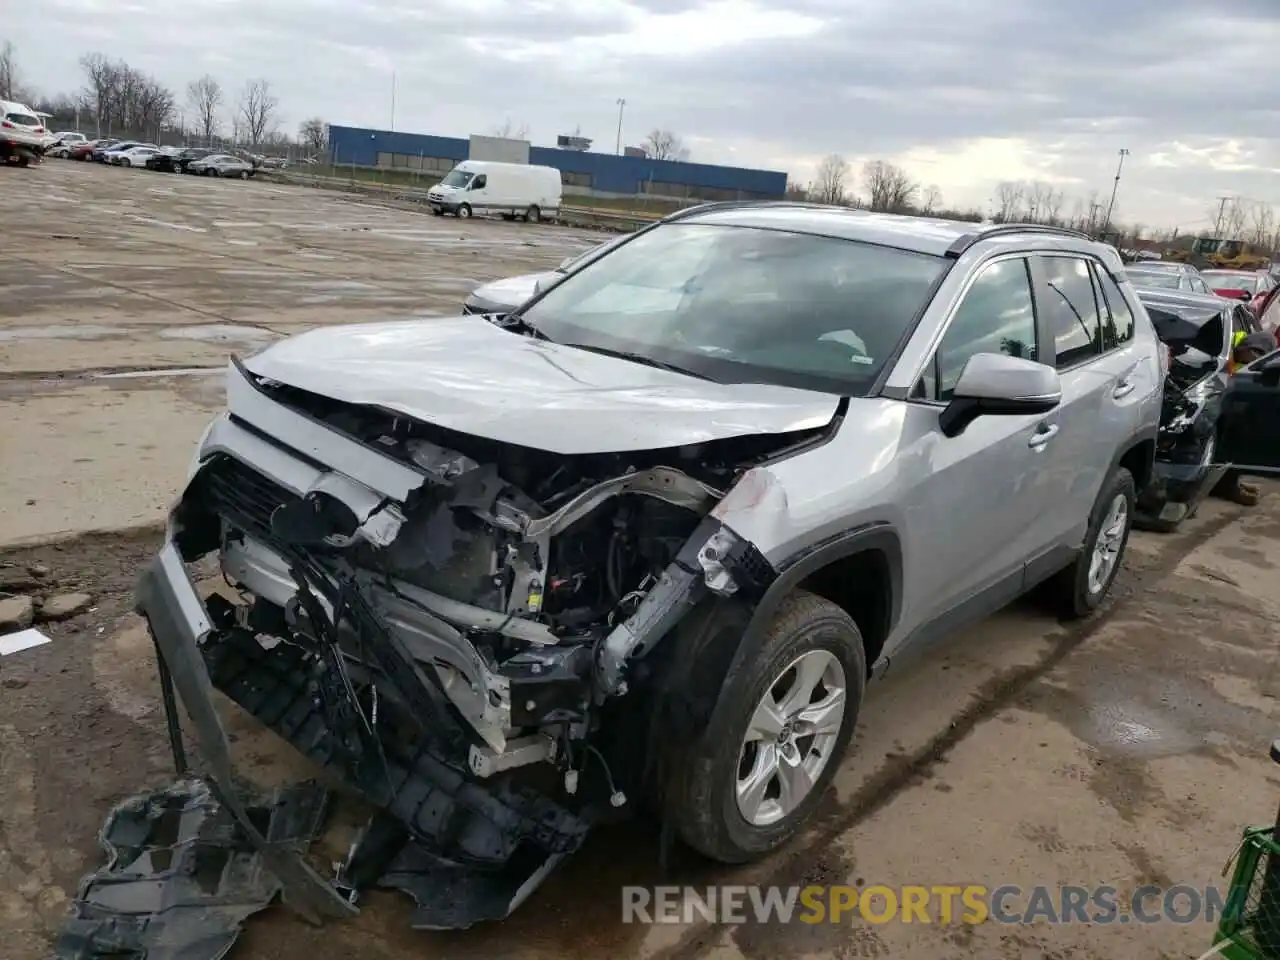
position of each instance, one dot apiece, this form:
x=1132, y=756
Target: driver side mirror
x=993, y=384
x=1269, y=374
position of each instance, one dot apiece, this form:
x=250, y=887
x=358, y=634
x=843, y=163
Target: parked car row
x=134, y=153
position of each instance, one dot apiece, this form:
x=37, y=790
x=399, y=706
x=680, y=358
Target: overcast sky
x=963, y=93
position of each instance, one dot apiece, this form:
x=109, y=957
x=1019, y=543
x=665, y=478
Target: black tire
x=464, y=211
x=436, y=212
x=244, y=174
x=698, y=791
x=1069, y=589
x=533, y=214
x=24, y=161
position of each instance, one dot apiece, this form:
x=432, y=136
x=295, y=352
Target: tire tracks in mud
x=998, y=693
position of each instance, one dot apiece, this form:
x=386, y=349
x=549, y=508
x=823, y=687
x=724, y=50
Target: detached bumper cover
x=180, y=625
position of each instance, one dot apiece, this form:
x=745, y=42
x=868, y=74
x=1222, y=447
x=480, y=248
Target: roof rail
x=967, y=240
x=717, y=205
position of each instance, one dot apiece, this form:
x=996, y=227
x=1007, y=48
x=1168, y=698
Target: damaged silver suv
x=646, y=539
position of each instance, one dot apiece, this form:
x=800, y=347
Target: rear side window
x=1117, y=318
x=1071, y=310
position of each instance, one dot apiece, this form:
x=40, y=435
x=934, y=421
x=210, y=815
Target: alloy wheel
x=1106, y=546
x=790, y=738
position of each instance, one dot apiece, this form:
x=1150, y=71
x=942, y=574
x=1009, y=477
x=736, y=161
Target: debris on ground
x=182, y=876
x=16, y=613
x=63, y=606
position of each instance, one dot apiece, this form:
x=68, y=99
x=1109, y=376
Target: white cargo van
x=486, y=186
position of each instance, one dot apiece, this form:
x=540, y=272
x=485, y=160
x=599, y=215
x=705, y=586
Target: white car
x=136, y=156
x=115, y=155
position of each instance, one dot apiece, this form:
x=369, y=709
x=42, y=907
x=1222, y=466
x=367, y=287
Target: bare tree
x=796, y=191
x=889, y=189
x=1053, y=201
x=204, y=96
x=1009, y=195
x=511, y=131
x=1261, y=225
x=830, y=180
x=100, y=78
x=1233, y=219
x=931, y=200
x=664, y=145
x=314, y=134
x=8, y=72
x=258, y=110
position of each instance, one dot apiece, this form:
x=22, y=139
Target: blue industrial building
x=585, y=173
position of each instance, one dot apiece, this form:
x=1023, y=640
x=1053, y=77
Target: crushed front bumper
x=467, y=850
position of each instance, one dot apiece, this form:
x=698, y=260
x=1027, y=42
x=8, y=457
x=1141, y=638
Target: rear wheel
x=780, y=726
x=533, y=214
x=1080, y=588
x=244, y=174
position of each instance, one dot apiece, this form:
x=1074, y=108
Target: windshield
x=745, y=305
x=1230, y=281
x=22, y=119
x=457, y=178
x=1163, y=280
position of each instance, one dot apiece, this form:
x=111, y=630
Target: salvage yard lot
x=1127, y=750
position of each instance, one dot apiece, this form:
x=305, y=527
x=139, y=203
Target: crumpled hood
x=510, y=292
x=468, y=375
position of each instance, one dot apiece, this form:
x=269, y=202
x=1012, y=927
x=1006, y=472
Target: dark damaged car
x=646, y=539
x=1206, y=337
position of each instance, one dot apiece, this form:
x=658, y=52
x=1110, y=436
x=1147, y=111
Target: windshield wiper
x=645, y=359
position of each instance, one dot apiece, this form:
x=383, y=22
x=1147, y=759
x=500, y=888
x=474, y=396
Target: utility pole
x=1222, y=209
x=1114, y=188
x=393, y=100
x=622, y=105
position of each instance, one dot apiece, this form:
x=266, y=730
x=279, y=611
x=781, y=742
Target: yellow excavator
x=1217, y=253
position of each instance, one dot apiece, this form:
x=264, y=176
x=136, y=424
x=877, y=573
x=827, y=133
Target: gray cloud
x=1069, y=84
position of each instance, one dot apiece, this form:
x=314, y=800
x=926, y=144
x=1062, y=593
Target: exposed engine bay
x=454, y=653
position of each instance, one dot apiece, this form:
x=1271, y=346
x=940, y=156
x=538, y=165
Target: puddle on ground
x=82, y=331
x=242, y=243
x=221, y=333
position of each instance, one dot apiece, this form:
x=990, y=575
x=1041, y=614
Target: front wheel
x=1080, y=588
x=780, y=727
x=244, y=174
x=464, y=211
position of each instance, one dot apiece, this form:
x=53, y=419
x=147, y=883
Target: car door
x=1103, y=387
x=968, y=514
x=1249, y=437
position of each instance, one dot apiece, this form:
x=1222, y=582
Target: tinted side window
x=996, y=316
x=1072, y=310
x=1117, y=318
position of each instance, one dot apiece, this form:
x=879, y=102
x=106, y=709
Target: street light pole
x=622, y=105
x=1114, y=187
x=393, y=100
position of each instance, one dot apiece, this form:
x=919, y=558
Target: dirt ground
x=1126, y=750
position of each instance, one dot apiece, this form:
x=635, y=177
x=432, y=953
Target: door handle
x=1124, y=388
x=1044, y=433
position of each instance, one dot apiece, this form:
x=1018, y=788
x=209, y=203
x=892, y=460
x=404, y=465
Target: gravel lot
x=1126, y=750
